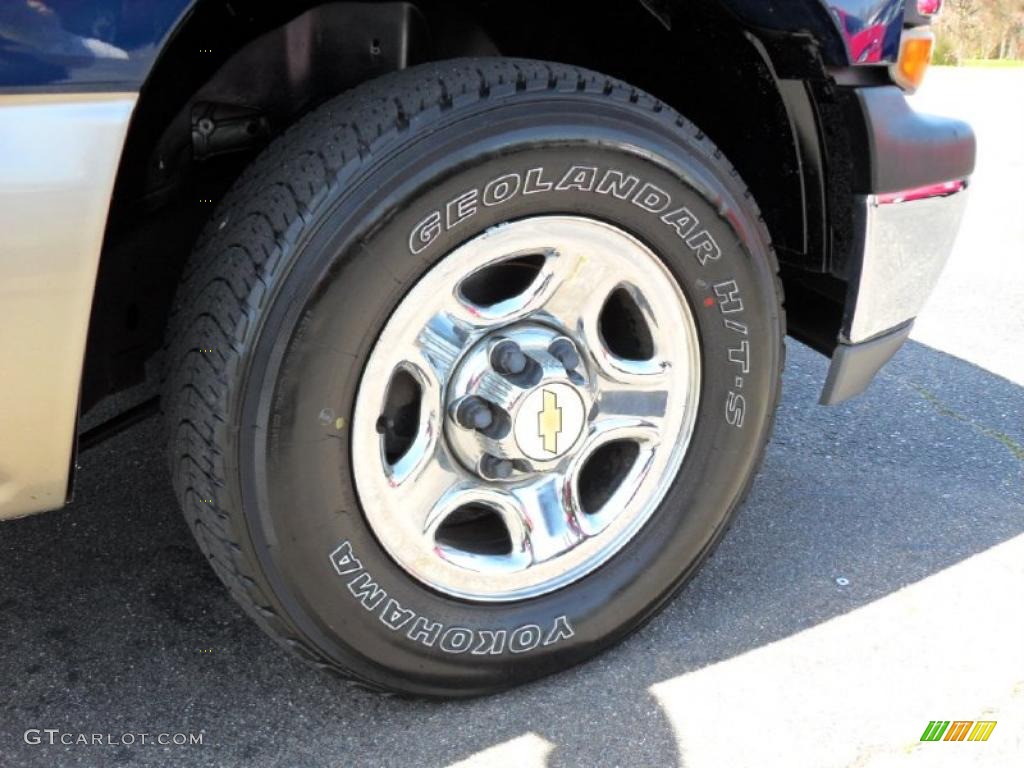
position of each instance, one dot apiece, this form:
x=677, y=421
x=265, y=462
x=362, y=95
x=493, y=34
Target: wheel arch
x=706, y=59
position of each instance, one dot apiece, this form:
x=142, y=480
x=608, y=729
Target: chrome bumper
x=907, y=238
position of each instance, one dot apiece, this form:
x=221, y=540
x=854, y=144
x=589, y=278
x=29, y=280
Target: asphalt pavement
x=873, y=581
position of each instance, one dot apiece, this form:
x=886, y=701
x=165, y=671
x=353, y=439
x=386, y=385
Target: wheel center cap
x=517, y=403
x=549, y=421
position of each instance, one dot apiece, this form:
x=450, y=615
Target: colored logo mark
x=549, y=422
x=958, y=730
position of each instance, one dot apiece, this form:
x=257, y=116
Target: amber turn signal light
x=915, y=55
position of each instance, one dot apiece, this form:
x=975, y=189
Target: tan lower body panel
x=59, y=155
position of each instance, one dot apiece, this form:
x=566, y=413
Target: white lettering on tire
x=503, y=188
x=455, y=640
x=581, y=178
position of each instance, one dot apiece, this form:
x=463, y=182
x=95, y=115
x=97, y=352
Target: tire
x=300, y=272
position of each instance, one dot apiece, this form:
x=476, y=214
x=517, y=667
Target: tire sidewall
x=344, y=274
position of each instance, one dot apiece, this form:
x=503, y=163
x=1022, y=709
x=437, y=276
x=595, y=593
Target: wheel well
x=250, y=73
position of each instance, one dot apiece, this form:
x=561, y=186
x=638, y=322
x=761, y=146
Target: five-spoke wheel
x=525, y=407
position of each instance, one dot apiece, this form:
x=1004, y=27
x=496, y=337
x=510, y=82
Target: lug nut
x=565, y=353
x=474, y=413
x=507, y=358
x=499, y=469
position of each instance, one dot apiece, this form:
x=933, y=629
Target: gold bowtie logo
x=549, y=422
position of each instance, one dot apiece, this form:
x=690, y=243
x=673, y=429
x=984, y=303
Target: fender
x=84, y=45
x=850, y=32
x=97, y=45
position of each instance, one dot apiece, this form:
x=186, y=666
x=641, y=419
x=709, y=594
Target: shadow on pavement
x=112, y=622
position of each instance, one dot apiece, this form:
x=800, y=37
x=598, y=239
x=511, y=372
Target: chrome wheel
x=526, y=408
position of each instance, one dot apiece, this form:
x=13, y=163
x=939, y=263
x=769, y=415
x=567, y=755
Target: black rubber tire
x=299, y=269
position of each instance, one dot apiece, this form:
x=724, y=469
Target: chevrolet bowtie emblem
x=549, y=422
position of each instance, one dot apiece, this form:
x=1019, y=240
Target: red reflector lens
x=929, y=7
x=921, y=193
